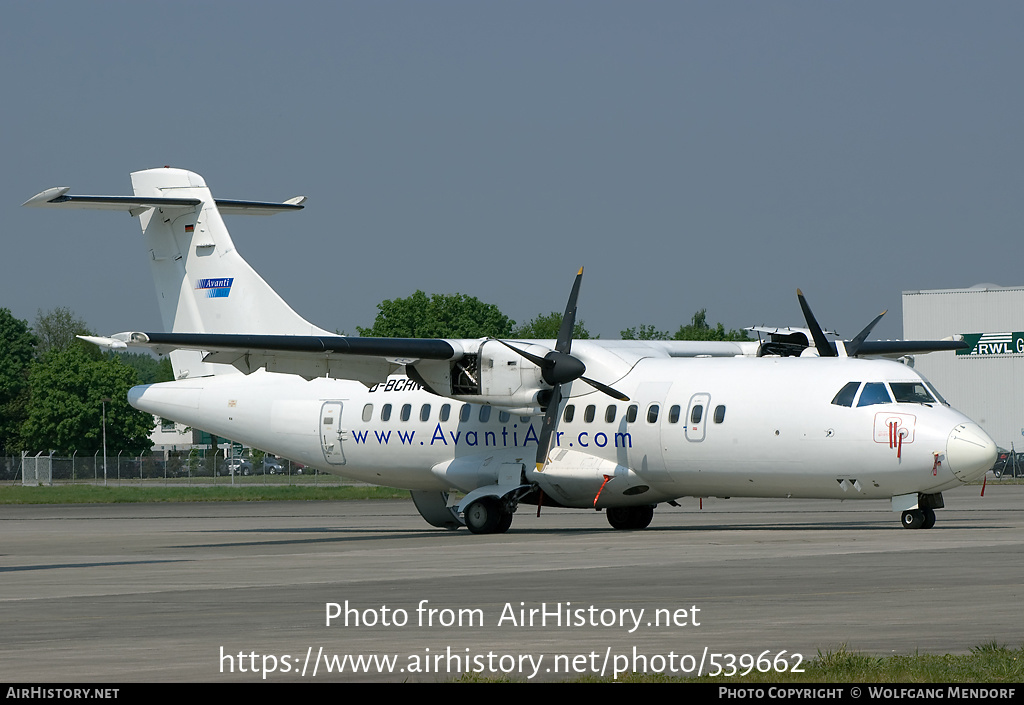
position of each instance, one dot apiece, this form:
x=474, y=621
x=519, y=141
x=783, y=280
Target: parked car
x=272, y=466
x=237, y=466
x=1008, y=464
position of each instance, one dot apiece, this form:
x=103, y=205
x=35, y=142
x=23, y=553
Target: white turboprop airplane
x=507, y=423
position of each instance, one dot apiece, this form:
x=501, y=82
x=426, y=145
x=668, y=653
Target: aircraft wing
x=899, y=348
x=368, y=360
x=793, y=341
x=371, y=360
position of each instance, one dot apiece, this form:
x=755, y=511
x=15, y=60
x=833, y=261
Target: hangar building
x=986, y=382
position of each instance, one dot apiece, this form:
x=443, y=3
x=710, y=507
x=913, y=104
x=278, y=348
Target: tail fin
x=202, y=284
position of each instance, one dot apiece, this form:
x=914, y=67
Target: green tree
x=17, y=350
x=67, y=387
x=56, y=330
x=544, y=327
x=148, y=368
x=646, y=332
x=438, y=316
x=698, y=329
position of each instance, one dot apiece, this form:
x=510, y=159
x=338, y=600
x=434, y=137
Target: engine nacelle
x=493, y=375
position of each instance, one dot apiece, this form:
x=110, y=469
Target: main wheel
x=619, y=517
x=630, y=517
x=642, y=517
x=929, y=518
x=913, y=519
x=484, y=516
x=504, y=523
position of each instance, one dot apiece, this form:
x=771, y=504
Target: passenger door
x=331, y=432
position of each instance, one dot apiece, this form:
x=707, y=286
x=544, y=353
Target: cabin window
x=367, y=412
x=673, y=414
x=697, y=414
x=485, y=414
x=631, y=413
x=425, y=412
x=589, y=413
x=911, y=393
x=845, y=395
x=874, y=393
x=570, y=412
x=385, y=412
x=406, y=411
x=609, y=413
x=720, y=413
x=446, y=411
x=652, y=413
x=464, y=412
x=503, y=416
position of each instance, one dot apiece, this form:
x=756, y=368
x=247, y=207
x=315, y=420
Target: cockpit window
x=846, y=394
x=874, y=393
x=935, y=392
x=911, y=393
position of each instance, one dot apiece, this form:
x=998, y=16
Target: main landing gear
x=488, y=515
x=630, y=517
x=919, y=518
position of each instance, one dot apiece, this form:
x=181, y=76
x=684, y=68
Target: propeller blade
x=548, y=427
x=854, y=345
x=613, y=393
x=538, y=361
x=564, y=344
x=821, y=343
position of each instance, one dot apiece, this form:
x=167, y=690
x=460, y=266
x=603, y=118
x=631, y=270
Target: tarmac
x=367, y=591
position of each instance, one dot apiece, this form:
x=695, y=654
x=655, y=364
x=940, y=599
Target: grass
x=988, y=663
x=99, y=494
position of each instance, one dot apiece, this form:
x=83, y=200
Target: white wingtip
x=41, y=200
x=105, y=343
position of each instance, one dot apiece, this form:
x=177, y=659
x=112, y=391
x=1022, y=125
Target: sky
x=690, y=155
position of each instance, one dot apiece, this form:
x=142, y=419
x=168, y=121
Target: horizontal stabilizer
x=58, y=198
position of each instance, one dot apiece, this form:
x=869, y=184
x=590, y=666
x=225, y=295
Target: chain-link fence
x=172, y=468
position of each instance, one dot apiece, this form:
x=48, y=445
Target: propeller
x=821, y=343
x=854, y=345
x=559, y=367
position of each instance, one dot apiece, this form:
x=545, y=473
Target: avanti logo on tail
x=215, y=288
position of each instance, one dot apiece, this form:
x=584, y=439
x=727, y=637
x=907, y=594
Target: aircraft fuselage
x=752, y=427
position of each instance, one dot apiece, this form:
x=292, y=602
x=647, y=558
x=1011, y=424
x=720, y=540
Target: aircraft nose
x=970, y=451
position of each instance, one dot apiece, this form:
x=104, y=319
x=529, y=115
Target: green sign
x=993, y=344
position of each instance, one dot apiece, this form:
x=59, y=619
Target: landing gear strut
x=630, y=517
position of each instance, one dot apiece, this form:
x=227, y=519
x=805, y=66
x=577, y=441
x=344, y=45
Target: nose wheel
x=918, y=518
